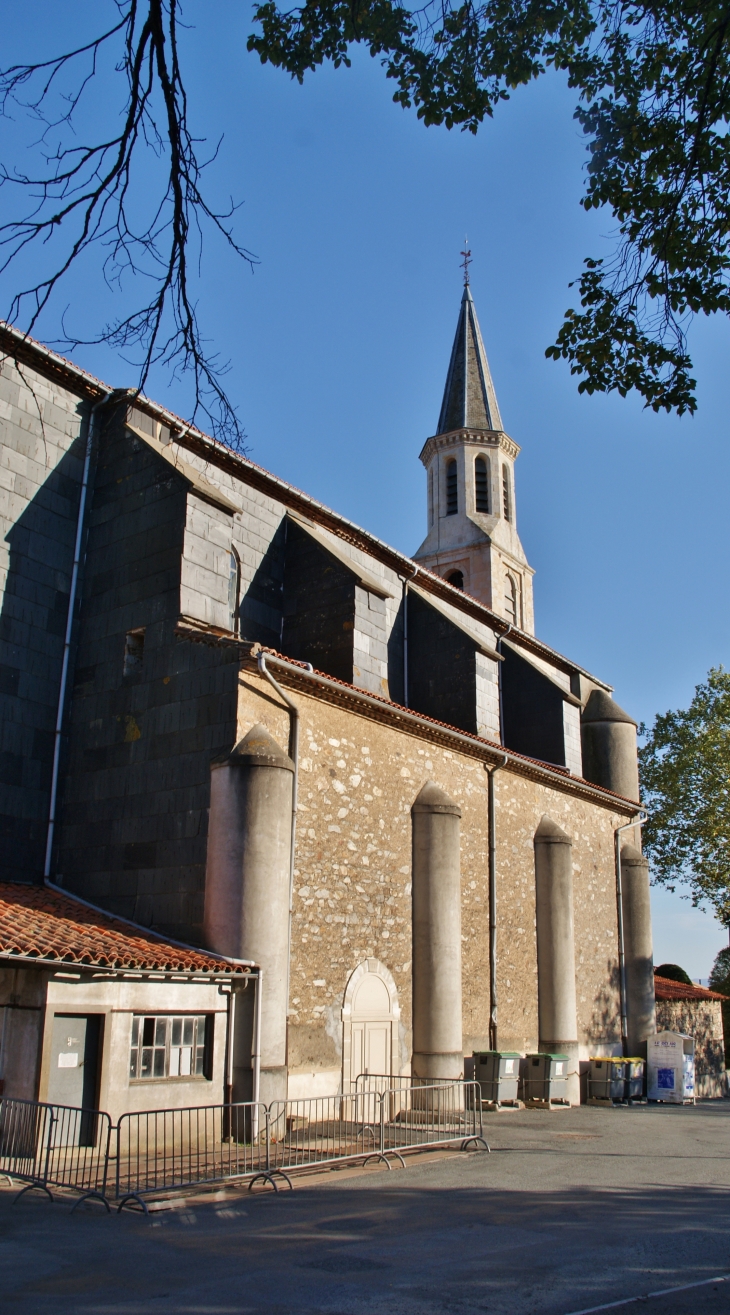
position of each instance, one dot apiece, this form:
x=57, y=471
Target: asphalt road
x=571, y=1210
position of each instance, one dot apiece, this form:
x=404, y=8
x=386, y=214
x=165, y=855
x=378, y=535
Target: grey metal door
x=74, y=1067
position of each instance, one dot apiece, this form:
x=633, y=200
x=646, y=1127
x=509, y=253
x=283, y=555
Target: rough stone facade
x=193, y=559
x=358, y=779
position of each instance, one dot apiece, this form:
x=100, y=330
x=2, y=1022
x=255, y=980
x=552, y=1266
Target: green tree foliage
x=653, y=91
x=685, y=778
x=720, y=981
x=673, y=973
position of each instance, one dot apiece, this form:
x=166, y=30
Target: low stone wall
x=701, y=1019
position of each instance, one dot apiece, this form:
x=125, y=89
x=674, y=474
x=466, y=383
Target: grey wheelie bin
x=545, y=1079
x=498, y=1074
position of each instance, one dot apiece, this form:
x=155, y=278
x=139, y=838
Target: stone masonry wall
x=358, y=779
x=42, y=433
x=701, y=1019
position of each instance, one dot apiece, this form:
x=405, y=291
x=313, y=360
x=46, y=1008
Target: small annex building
x=240, y=722
x=694, y=1011
x=98, y=1014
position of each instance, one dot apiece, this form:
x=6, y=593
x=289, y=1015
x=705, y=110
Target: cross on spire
x=466, y=253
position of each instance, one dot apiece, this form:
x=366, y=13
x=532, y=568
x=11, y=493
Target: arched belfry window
x=481, y=485
x=456, y=578
x=452, y=495
x=506, y=493
x=234, y=588
x=510, y=599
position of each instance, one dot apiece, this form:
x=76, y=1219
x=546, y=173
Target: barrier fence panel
x=166, y=1149
x=321, y=1129
x=54, y=1145
x=431, y=1115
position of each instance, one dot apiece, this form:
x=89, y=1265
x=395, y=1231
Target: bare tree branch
x=86, y=194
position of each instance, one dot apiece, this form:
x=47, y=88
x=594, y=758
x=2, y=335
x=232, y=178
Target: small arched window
x=430, y=498
x=452, y=496
x=510, y=599
x=481, y=485
x=456, y=578
x=234, y=585
x=506, y=493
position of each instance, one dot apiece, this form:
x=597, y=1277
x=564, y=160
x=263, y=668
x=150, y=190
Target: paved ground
x=571, y=1210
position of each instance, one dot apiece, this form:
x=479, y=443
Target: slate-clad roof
x=53, y=928
x=666, y=989
x=470, y=401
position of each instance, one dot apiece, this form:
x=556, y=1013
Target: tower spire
x=470, y=401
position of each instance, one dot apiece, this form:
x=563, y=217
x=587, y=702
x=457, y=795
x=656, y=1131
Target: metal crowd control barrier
x=158, y=1150
x=55, y=1146
x=375, y=1124
x=167, y=1150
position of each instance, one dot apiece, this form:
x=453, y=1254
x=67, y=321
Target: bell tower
x=471, y=511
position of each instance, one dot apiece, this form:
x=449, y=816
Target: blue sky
x=339, y=343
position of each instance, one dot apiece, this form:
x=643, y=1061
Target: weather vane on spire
x=466, y=253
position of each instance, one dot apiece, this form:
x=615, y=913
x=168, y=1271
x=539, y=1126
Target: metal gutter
x=475, y=746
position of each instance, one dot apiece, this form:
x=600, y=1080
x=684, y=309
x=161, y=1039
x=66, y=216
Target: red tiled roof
x=666, y=989
x=50, y=927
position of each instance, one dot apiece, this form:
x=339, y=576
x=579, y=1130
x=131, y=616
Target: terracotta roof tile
x=666, y=989
x=53, y=928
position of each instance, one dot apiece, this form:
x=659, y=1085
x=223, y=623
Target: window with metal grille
x=510, y=600
x=234, y=576
x=481, y=485
x=452, y=496
x=169, y=1046
x=506, y=494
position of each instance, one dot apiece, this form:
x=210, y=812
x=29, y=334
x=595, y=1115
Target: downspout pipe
x=61, y=709
x=639, y=820
x=491, y=773
x=294, y=755
x=256, y=1057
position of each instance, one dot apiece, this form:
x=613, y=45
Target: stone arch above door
x=370, y=1023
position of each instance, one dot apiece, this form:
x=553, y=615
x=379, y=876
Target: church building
x=280, y=805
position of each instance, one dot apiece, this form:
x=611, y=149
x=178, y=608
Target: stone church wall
x=42, y=438
x=358, y=779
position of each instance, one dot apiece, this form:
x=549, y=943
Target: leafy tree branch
x=653, y=90
x=685, y=778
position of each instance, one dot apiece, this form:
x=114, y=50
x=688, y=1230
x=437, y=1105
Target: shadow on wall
x=605, y=1024
x=32, y=631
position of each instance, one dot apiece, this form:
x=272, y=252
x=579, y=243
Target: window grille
x=169, y=1047
x=506, y=497
x=452, y=497
x=481, y=485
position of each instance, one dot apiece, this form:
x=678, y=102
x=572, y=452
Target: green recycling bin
x=498, y=1074
x=545, y=1078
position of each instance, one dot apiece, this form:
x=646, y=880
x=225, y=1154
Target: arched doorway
x=370, y=1018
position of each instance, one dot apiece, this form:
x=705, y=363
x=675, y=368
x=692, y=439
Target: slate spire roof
x=470, y=401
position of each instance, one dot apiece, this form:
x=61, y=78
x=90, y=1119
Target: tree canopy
x=652, y=83
x=685, y=779
x=652, y=79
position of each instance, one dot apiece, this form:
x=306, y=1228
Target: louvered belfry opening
x=481, y=486
x=452, y=493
